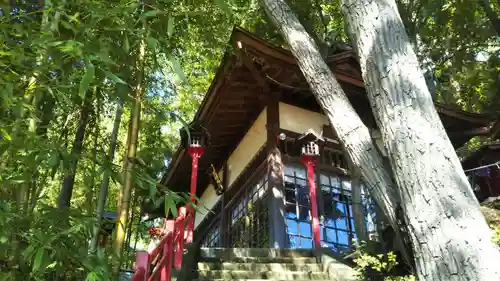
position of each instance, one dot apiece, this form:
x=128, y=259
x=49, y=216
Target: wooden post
x=277, y=225
x=195, y=152
x=310, y=163
x=179, y=235
x=223, y=219
x=166, y=269
x=142, y=264
x=357, y=207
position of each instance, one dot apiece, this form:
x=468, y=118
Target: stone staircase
x=270, y=264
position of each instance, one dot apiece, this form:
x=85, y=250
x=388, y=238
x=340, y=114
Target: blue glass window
x=335, y=210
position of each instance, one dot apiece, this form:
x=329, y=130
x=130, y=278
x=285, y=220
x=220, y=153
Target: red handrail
x=169, y=251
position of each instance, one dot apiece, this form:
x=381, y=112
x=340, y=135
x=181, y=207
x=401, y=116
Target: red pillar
x=195, y=152
x=310, y=162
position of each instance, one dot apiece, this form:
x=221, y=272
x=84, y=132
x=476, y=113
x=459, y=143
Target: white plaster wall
x=300, y=120
x=253, y=140
x=207, y=201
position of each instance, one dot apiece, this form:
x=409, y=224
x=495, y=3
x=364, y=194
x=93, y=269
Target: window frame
x=331, y=171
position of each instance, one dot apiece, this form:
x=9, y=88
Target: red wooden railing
x=157, y=265
x=171, y=246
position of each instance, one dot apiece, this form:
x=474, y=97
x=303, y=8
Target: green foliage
x=48, y=245
x=457, y=44
x=375, y=267
x=496, y=235
x=53, y=58
x=491, y=212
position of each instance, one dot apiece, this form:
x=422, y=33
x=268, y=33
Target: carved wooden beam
x=481, y=131
x=249, y=64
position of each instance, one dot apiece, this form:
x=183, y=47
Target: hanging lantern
x=194, y=139
x=310, y=144
x=194, y=136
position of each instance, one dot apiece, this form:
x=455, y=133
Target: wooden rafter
x=256, y=74
x=481, y=131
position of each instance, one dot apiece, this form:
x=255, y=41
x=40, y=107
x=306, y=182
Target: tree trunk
x=352, y=133
x=69, y=178
x=448, y=232
x=357, y=208
x=90, y=189
x=123, y=206
x=103, y=193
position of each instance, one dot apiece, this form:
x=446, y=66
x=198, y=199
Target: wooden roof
x=485, y=155
x=495, y=130
x=238, y=94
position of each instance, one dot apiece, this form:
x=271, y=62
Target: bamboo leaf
x=54, y=160
x=150, y=14
x=176, y=66
x=152, y=43
x=3, y=148
x=126, y=44
x=104, y=57
x=170, y=26
x=38, y=259
x=92, y=276
x=87, y=78
x=223, y=6
x=52, y=265
x=4, y=135
x=170, y=206
x=115, y=78
x=152, y=190
x=101, y=254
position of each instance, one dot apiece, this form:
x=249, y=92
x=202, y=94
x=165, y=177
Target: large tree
x=448, y=232
x=449, y=235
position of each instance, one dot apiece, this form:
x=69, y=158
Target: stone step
x=229, y=253
x=261, y=260
x=127, y=275
x=259, y=267
x=273, y=275
x=258, y=280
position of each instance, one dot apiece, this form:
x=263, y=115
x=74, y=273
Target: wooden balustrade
x=157, y=265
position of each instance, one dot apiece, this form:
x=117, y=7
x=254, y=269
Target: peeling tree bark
x=351, y=131
x=449, y=235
